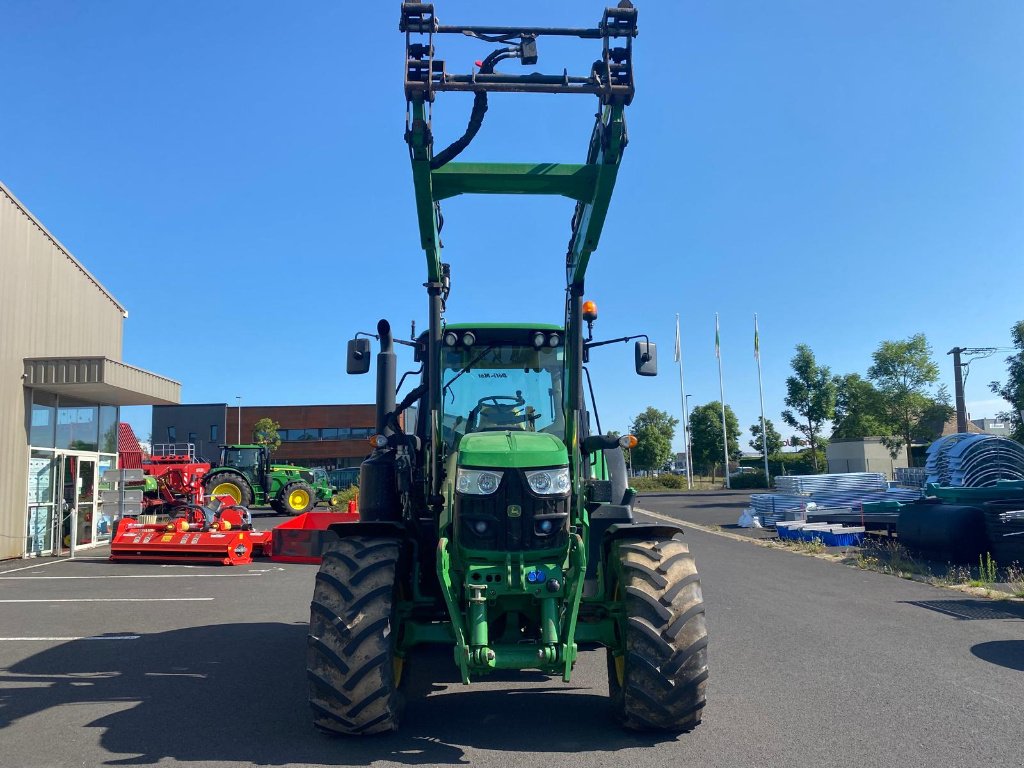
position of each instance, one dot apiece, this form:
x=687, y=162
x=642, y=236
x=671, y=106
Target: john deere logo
x=514, y=510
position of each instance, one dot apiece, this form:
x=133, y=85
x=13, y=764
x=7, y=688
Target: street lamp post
x=238, y=400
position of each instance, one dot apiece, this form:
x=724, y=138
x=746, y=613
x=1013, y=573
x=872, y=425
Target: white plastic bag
x=747, y=519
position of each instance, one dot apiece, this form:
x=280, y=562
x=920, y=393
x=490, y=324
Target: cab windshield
x=494, y=388
x=245, y=459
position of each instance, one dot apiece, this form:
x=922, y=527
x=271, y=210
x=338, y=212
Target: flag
x=678, y=350
x=718, y=348
x=757, y=344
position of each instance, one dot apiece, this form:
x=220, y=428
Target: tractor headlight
x=477, y=482
x=549, y=482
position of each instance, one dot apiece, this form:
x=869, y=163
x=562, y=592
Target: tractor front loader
x=502, y=524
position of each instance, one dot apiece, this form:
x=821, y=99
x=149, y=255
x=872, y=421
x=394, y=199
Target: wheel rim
x=397, y=667
x=227, y=489
x=298, y=499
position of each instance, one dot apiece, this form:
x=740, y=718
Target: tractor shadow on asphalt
x=237, y=693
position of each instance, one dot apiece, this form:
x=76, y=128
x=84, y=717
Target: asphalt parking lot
x=811, y=664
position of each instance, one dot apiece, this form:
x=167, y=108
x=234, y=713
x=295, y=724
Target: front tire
x=351, y=664
x=298, y=497
x=658, y=682
x=229, y=484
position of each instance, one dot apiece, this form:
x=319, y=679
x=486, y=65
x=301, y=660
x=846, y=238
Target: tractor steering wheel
x=504, y=414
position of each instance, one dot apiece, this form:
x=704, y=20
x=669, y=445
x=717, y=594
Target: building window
x=172, y=435
x=108, y=428
x=213, y=433
x=44, y=420
x=193, y=438
x=330, y=433
x=78, y=427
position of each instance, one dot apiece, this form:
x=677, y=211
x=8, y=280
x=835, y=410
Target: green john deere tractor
x=245, y=474
x=501, y=525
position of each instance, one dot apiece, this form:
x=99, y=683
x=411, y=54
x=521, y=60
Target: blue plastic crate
x=789, y=530
x=844, y=537
x=813, y=531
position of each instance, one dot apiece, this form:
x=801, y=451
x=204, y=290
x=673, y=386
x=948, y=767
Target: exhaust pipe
x=387, y=365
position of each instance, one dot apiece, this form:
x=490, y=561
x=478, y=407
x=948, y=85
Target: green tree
x=1012, y=390
x=811, y=394
x=264, y=432
x=654, y=431
x=859, y=409
x=706, y=435
x=903, y=372
x=774, y=438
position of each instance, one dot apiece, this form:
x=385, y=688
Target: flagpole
x=760, y=390
x=682, y=398
x=721, y=389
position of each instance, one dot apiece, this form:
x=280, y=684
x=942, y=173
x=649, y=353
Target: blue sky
x=852, y=172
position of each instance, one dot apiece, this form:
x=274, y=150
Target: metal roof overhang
x=99, y=380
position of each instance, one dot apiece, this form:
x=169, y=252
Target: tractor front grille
x=512, y=518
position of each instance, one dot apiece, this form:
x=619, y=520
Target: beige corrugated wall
x=49, y=306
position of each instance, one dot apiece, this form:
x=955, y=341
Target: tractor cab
x=497, y=379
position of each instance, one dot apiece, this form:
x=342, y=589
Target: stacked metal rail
x=911, y=477
x=849, y=482
x=772, y=507
x=974, y=461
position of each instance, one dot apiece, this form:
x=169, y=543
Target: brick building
x=328, y=436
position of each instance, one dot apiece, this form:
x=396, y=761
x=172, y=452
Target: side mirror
x=646, y=358
x=358, y=357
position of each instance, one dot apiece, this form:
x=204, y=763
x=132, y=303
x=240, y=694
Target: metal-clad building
x=61, y=382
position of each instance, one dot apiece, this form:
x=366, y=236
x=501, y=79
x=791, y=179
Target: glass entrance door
x=74, y=524
x=85, y=502
x=66, y=519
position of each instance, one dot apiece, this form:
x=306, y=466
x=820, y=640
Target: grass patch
x=1015, y=579
x=888, y=556
x=812, y=547
x=987, y=572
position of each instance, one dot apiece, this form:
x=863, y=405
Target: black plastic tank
x=947, y=532
x=1004, y=523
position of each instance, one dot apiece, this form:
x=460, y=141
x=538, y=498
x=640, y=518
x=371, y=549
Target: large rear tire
x=298, y=497
x=353, y=670
x=658, y=682
x=229, y=484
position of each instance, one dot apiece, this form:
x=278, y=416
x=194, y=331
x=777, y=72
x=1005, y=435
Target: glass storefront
x=72, y=444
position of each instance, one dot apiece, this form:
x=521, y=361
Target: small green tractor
x=501, y=524
x=246, y=475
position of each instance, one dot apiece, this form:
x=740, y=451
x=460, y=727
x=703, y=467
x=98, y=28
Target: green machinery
x=246, y=474
x=501, y=525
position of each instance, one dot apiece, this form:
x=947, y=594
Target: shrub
x=748, y=480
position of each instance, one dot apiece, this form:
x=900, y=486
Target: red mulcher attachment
x=214, y=534
x=304, y=538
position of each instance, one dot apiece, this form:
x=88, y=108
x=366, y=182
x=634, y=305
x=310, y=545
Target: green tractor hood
x=512, y=449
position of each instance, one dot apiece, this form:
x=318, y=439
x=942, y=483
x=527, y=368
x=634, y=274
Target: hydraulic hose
x=476, y=117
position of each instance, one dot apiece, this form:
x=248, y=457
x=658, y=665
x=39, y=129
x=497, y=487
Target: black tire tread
x=350, y=653
x=231, y=477
x=665, y=666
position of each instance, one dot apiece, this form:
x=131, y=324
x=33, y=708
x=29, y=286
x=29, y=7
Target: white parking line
x=37, y=565
x=113, y=600
x=63, y=639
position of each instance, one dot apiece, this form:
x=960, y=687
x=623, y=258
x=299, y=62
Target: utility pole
x=958, y=389
x=958, y=379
